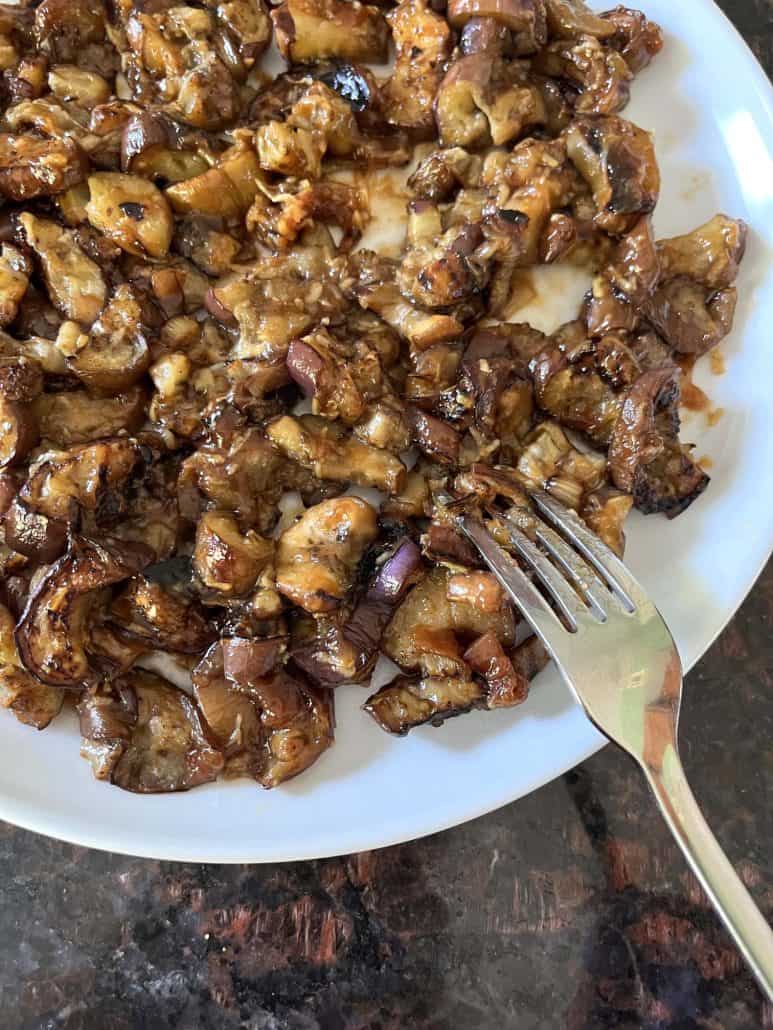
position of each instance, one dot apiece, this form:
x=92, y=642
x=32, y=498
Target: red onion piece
x=393, y=576
x=304, y=366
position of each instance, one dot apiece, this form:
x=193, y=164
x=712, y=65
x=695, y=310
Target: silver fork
x=618, y=658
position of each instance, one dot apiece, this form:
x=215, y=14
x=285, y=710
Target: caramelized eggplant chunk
x=227, y=561
x=160, y=617
x=423, y=45
x=692, y=318
x=21, y=382
x=146, y=736
x=33, y=534
x=479, y=589
x=624, y=286
x=224, y=191
x=31, y=167
x=440, y=175
x=548, y=461
x=329, y=453
x=15, y=270
x=117, y=353
x=74, y=417
x=505, y=687
x=636, y=38
x=605, y=511
x=75, y=283
x=132, y=212
x=317, y=557
x=407, y=701
x=524, y=19
x=32, y=702
x=426, y=629
x=571, y=19
x=710, y=254
x=271, y=725
x=599, y=74
x=52, y=634
x=345, y=652
x=482, y=101
x=340, y=378
x=318, y=30
x=617, y=160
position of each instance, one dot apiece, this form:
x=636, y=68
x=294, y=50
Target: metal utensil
x=617, y=656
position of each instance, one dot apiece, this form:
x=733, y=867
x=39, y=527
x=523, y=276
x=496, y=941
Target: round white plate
x=711, y=109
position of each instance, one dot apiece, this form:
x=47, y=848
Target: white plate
x=711, y=109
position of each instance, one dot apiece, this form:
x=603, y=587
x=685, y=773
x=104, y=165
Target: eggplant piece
x=52, y=633
x=710, y=254
x=160, y=617
x=308, y=31
x=345, y=652
x=329, y=454
x=671, y=481
x=385, y=425
x=377, y=291
x=571, y=19
x=480, y=101
x=75, y=282
x=225, y=191
x=144, y=735
x=92, y=478
x=692, y=318
x=481, y=590
x=33, y=534
x=132, y=212
x=72, y=84
x=211, y=250
x=605, y=511
x=575, y=395
x=64, y=28
x=599, y=74
x=117, y=353
x=407, y=701
x=227, y=561
x=21, y=382
x=442, y=173
x=617, y=160
x=425, y=631
x=423, y=45
x=505, y=687
x=618, y=293
x=317, y=556
x=32, y=167
x=548, y=461
x=635, y=439
x=32, y=702
x=636, y=38
x=295, y=719
x=442, y=543
x=526, y=19
x=74, y=417
x=440, y=270
x=434, y=437
x=15, y=271
x=339, y=377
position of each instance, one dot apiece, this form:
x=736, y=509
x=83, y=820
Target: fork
x=617, y=656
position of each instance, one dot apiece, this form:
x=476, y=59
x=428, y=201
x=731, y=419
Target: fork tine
x=562, y=593
x=591, y=586
x=594, y=550
x=527, y=598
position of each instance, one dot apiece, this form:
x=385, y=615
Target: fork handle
x=730, y=898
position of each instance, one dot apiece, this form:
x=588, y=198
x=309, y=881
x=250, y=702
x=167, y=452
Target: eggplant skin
x=52, y=634
x=407, y=701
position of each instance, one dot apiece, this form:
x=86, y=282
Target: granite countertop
x=571, y=908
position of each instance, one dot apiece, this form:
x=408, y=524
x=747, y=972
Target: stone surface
x=571, y=908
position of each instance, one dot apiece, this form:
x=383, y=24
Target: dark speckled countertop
x=571, y=908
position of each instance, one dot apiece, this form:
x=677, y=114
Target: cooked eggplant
x=132, y=212
x=330, y=454
x=226, y=560
x=145, y=735
x=31, y=167
x=74, y=417
x=75, y=282
x=32, y=702
x=423, y=45
x=407, y=701
x=318, y=30
x=317, y=557
x=116, y=354
x=160, y=617
x=53, y=631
